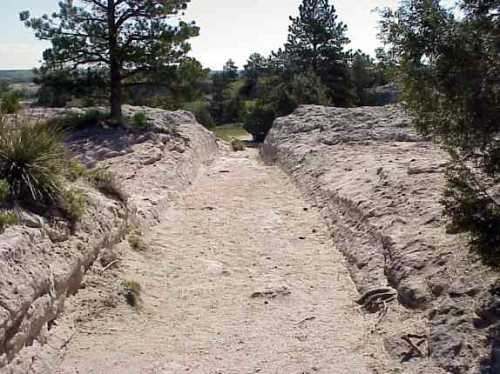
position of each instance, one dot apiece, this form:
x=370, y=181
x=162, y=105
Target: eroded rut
x=240, y=277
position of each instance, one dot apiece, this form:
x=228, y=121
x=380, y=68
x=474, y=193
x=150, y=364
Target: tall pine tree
x=127, y=38
x=316, y=42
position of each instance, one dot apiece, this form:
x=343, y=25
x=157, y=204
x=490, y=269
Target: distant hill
x=17, y=76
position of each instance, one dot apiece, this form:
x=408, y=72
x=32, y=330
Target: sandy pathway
x=240, y=277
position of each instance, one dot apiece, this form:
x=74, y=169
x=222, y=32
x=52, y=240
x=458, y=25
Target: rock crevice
x=41, y=266
x=379, y=186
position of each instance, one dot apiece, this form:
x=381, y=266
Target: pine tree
x=255, y=66
x=230, y=71
x=316, y=41
x=449, y=68
x=126, y=38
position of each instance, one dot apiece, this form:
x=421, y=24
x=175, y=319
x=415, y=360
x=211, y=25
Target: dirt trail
x=240, y=277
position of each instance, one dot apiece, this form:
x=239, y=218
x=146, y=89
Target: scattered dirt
x=240, y=276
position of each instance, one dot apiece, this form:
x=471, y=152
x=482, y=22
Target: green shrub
x=472, y=209
x=140, y=120
x=32, y=161
x=132, y=291
x=73, y=202
x=260, y=120
x=7, y=219
x=4, y=191
x=10, y=104
x=201, y=111
x=105, y=182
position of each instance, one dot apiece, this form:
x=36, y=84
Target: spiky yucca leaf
x=32, y=160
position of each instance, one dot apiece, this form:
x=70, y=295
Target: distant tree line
x=313, y=67
x=107, y=52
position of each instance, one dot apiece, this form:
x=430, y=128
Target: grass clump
x=75, y=170
x=7, y=219
x=104, y=180
x=73, y=203
x=10, y=104
x=32, y=161
x=136, y=241
x=132, y=291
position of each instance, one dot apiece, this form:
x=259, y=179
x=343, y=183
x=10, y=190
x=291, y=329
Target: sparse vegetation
x=132, y=291
x=8, y=219
x=76, y=121
x=73, y=202
x=105, y=182
x=136, y=242
x=75, y=170
x=136, y=239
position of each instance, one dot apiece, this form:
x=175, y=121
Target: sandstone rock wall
x=379, y=186
x=42, y=262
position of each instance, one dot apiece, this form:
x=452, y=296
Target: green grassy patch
x=230, y=132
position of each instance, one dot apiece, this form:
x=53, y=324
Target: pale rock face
x=40, y=264
x=379, y=186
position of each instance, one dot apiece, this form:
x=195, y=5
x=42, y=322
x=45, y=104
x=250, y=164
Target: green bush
x=201, y=111
x=276, y=100
x=32, y=161
x=260, y=120
x=140, y=120
x=4, y=191
x=10, y=104
x=7, y=219
x=73, y=202
x=472, y=209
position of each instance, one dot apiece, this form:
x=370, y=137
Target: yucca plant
x=32, y=161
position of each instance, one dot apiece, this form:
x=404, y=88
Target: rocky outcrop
x=379, y=187
x=44, y=261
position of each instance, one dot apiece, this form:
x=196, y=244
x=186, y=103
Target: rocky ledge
x=379, y=187
x=43, y=262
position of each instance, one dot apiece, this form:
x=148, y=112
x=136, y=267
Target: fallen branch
x=109, y=265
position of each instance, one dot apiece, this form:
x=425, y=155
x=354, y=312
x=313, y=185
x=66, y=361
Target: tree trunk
x=114, y=65
x=116, y=92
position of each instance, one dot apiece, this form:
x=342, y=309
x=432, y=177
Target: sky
x=229, y=28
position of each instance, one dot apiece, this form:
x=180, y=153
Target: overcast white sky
x=229, y=28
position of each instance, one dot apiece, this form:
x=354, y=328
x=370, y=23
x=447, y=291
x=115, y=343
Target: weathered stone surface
x=379, y=186
x=42, y=262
